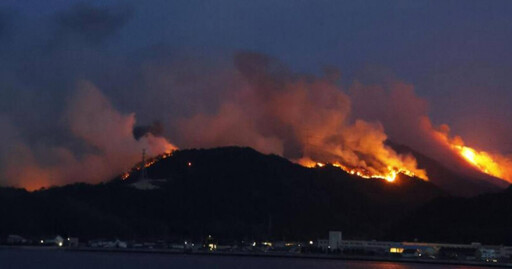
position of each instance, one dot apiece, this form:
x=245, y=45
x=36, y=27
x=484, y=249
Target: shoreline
x=268, y=255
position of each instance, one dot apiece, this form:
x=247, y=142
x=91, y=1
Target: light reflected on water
x=60, y=258
x=392, y=265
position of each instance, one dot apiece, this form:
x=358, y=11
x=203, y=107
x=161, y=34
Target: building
x=412, y=253
x=100, y=243
x=323, y=244
x=505, y=252
x=488, y=254
x=361, y=247
x=14, y=239
x=334, y=240
x=334, y=243
x=55, y=241
x=72, y=242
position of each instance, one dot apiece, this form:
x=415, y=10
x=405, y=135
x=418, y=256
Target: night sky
x=456, y=54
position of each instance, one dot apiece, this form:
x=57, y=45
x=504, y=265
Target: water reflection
x=56, y=259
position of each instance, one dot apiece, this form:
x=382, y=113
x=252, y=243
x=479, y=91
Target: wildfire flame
x=493, y=164
x=148, y=163
x=484, y=161
x=390, y=176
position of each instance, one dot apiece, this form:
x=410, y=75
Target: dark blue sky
x=457, y=54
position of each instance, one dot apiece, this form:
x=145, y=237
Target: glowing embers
x=494, y=164
x=147, y=164
x=389, y=175
x=125, y=175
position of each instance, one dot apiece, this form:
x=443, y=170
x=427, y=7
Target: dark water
x=56, y=259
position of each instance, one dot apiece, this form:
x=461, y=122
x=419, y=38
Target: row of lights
x=60, y=244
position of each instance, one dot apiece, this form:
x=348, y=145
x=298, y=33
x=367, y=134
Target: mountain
x=485, y=218
x=238, y=193
x=231, y=192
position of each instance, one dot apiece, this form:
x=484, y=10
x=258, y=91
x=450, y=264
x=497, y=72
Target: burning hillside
x=103, y=131
x=495, y=164
x=145, y=164
x=311, y=120
x=299, y=118
x=390, y=176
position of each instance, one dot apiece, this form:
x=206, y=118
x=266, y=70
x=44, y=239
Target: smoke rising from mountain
x=295, y=116
x=405, y=118
x=105, y=132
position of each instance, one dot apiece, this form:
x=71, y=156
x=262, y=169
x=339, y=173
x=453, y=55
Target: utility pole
x=143, y=174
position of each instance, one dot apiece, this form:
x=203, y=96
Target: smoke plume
x=106, y=134
x=299, y=117
x=405, y=118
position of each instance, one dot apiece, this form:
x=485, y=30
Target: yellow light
x=391, y=177
x=396, y=250
x=60, y=244
x=469, y=154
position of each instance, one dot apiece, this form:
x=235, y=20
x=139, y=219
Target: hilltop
x=231, y=192
x=238, y=193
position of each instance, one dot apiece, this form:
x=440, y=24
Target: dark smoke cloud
x=156, y=129
x=91, y=24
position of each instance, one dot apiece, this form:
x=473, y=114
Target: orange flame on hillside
x=148, y=163
x=390, y=176
x=493, y=164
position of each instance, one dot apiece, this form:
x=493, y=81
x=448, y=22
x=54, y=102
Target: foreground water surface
x=56, y=259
